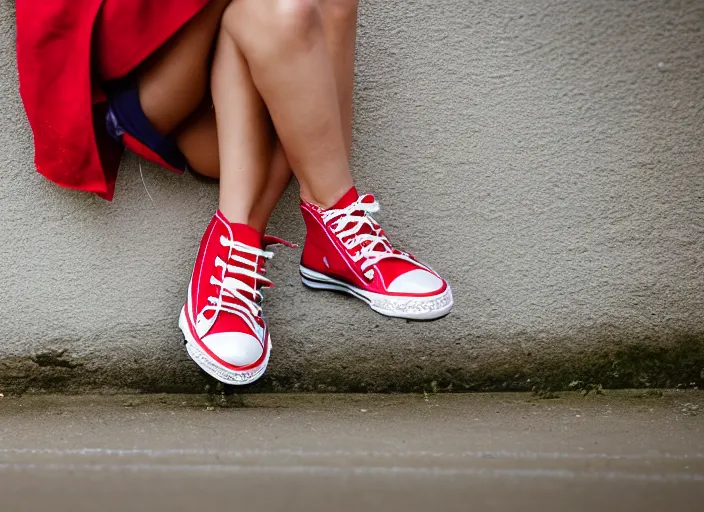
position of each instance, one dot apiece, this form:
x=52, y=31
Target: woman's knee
x=296, y=15
x=341, y=12
x=274, y=19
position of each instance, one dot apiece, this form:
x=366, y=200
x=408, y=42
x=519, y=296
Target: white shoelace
x=346, y=223
x=233, y=291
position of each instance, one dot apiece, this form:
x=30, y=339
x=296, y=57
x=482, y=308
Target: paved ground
x=618, y=451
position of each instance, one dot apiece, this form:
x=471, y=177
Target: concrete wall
x=546, y=156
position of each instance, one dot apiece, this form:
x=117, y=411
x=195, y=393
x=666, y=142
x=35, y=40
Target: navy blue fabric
x=125, y=114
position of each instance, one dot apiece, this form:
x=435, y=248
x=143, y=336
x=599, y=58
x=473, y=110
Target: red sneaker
x=225, y=330
x=346, y=250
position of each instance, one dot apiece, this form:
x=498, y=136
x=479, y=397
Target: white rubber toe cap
x=416, y=281
x=235, y=348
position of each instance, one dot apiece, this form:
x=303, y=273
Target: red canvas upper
x=63, y=46
x=326, y=253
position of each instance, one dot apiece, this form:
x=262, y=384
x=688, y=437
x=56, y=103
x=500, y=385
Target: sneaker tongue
x=246, y=235
x=350, y=197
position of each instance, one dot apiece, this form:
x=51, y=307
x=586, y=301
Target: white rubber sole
x=215, y=369
x=412, y=308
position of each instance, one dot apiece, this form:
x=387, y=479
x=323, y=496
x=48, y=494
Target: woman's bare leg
x=340, y=24
x=292, y=70
x=197, y=137
x=277, y=180
x=174, y=81
x=246, y=139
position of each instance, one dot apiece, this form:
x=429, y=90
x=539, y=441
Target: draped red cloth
x=65, y=49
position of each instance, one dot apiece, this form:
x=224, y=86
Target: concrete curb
x=664, y=360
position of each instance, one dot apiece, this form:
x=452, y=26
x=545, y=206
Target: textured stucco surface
x=547, y=157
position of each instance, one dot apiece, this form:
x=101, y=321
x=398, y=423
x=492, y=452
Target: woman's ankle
x=325, y=198
x=236, y=215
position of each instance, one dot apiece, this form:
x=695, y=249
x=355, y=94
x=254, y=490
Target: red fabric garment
x=65, y=48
